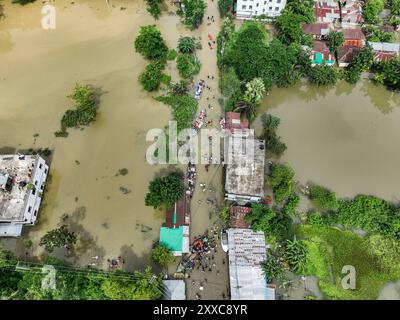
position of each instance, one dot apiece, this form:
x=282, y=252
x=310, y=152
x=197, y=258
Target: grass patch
x=331, y=249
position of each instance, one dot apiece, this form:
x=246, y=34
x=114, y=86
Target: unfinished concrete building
x=22, y=182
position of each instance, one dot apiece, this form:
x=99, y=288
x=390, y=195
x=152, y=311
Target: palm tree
x=255, y=91
x=296, y=254
x=186, y=45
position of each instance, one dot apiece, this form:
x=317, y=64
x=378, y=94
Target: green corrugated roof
x=172, y=238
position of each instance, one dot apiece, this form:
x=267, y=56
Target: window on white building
x=256, y=4
x=263, y=10
x=244, y=7
x=278, y=1
x=250, y=7
x=276, y=8
x=270, y=8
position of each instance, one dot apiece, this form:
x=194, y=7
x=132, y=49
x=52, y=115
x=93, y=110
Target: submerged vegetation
x=192, y=12
x=86, y=104
x=153, y=7
x=57, y=238
x=273, y=142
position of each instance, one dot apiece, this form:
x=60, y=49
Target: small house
x=351, y=12
x=326, y=11
x=353, y=37
x=320, y=54
x=384, y=51
x=318, y=31
x=345, y=55
x=237, y=215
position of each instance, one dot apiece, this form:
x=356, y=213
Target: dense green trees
x=184, y=108
x=179, y=88
x=225, y=7
x=281, y=179
x=323, y=75
x=247, y=52
x=371, y=214
x=162, y=256
x=375, y=34
x=386, y=250
x=151, y=77
x=9, y=279
x=273, y=142
x=250, y=55
x=289, y=28
x=86, y=104
x=165, y=190
x=150, y=44
x=289, y=22
x=296, y=254
x=335, y=41
x=394, y=7
x=57, y=238
x=273, y=268
x=371, y=10
x=192, y=13
x=276, y=225
x=73, y=283
x=291, y=204
x=153, y=7
x=323, y=197
x=187, y=65
x=231, y=88
x=387, y=73
x=361, y=61
x=303, y=8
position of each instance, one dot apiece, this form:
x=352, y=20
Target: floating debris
x=125, y=190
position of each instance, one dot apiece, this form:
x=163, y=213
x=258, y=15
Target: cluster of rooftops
x=327, y=16
x=244, y=185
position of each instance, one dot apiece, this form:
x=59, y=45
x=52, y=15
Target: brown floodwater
x=93, y=43
x=346, y=137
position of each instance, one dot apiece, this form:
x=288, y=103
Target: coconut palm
x=255, y=91
x=186, y=45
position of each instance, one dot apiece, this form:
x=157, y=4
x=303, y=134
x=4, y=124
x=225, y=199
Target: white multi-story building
x=248, y=9
x=22, y=182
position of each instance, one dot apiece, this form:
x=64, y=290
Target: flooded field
x=346, y=138
x=93, y=44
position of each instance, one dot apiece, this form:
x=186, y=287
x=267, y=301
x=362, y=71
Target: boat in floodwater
x=224, y=240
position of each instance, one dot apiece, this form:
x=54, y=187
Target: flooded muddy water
x=93, y=44
x=346, y=138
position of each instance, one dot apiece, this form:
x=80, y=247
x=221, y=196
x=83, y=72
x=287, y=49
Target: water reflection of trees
x=381, y=98
x=309, y=93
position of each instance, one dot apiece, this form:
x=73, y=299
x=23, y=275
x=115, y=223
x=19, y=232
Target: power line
x=37, y=268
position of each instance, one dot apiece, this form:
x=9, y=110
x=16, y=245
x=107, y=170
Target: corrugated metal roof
x=385, y=46
x=174, y=290
x=246, y=252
